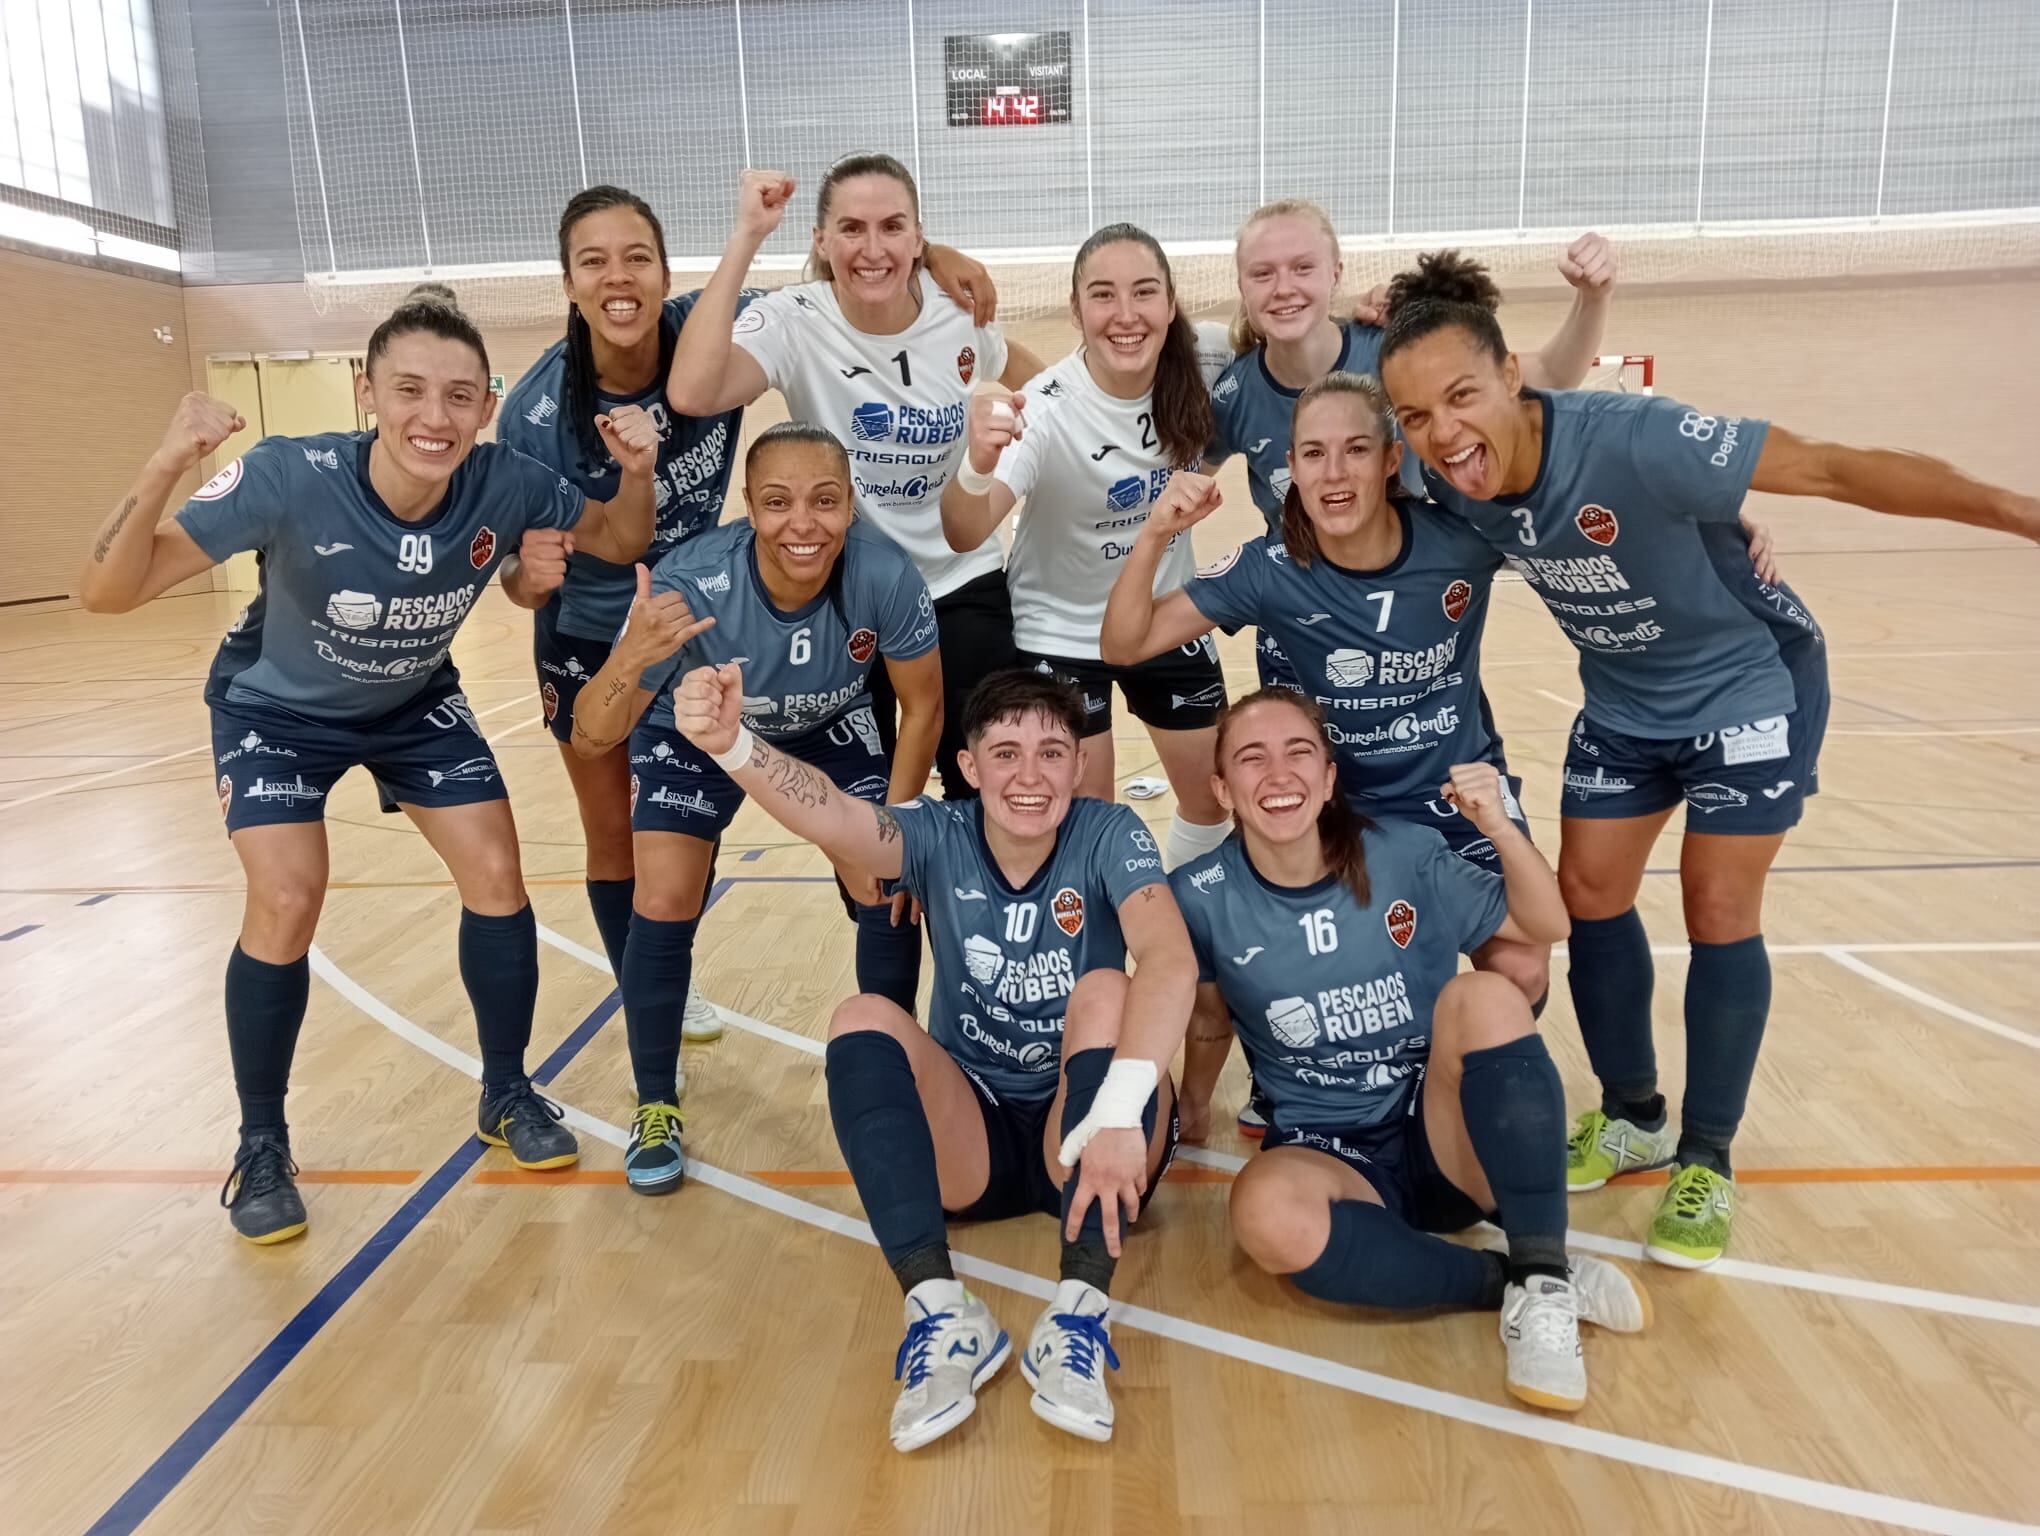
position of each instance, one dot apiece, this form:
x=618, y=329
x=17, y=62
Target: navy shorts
x=275, y=766
x=1182, y=689
x=1396, y=1160
x=1273, y=665
x=1748, y=780
x=675, y=788
x=1015, y=1135
x=565, y=663
x=1461, y=835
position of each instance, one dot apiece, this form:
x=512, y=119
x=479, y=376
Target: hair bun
x=1445, y=277
x=433, y=293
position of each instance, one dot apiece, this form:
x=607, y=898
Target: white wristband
x=973, y=483
x=1121, y=1100
x=738, y=754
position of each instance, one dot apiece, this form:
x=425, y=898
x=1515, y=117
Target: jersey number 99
x=414, y=553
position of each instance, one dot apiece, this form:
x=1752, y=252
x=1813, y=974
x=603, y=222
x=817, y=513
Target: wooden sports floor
x=456, y=1347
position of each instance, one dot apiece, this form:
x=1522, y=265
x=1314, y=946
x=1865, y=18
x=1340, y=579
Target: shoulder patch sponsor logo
x=713, y=585
x=354, y=610
x=1068, y=908
x=1221, y=565
x=483, y=547
x=1709, y=798
x=966, y=364
x=752, y=319
x=1227, y=387
x=1051, y=389
x=1456, y=597
x=1597, y=523
x=322, y=458
x=1294, y=1022
x=1205, y=879
x=863, y=645
x=543, y=412
x=220, y=483
x=1401, y=919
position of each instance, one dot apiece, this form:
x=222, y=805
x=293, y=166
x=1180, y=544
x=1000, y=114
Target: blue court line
x=18, y=932
x=93, y=901
x=171, y=1468
x=751, y=856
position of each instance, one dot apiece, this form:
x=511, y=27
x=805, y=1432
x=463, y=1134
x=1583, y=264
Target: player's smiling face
x=1274, y=772
x=1288, y=271
x=430, y=395
x=870, y=237
x=800, y=502
x=1124, y=308
x=1341, y=463
x=615, y=276
x=1459, y=409
x=1026, y=770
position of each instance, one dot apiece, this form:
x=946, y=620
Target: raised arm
x=711, y=374
x=971, y=513
x=1562, y=362
x=855, y=834
x=620, y=529
x=135, y=556
x=1138, y=625
x=1890, y=480
x=1537, y=912
x=615, y=699
x=538, y=567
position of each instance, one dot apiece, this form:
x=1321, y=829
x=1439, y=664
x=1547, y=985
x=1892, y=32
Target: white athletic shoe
x=1541, y=1331
x=701, y=1021
x=1608, y=1296
x=1062, y=1362
x=953, y=1346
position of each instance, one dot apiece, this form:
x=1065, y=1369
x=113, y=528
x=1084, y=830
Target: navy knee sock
x=1088, y=1259
x=1375, y=1259
x=610, y=901
x=1728, y=998
x=658, y=963
x=265, y=1009
x=1610, y=975
x=882, y=1129
x=888, y=958
x=499, y=968
x=1514, y=1108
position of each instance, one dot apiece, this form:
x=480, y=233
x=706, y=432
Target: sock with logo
x=499, y=968
x=1514, y=1108
x=265, y=1009
x=888, y=958
x=1611, y=977
x=1189, y=840
x=658, y=964
x=1088, y=1259
x=610, y=901
x=1728, y=1000
x=882, y=1129
x=1375, y=1259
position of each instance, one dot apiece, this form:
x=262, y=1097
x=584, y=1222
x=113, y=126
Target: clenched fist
x=995, y=421
x=1476, y=788
x=200, y=424
x=542, y=556
x=1187, y=500
x=761, y=203
x=709, y=706
x=632, y=438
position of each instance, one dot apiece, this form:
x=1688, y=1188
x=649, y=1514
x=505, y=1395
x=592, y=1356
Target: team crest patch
x=1068, y=911
x=549, y=700
x=1401, y=919
x=863, y=645
x=226, y=793
x=966, y=364
x=1219, y=566
x=483, y=550
x=1597, y=523
x=1457, y=596
x=220, y=483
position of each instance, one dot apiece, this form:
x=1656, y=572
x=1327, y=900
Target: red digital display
x=1012, y=109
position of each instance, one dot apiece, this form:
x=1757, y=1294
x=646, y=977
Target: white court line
x=1906, y=989
x=1719, y=1471
x=1987, y=947
x=1949, y=1302
x=1558, y=698
x=1936, y=733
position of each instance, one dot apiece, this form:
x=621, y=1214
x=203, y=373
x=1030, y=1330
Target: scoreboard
x=1007, y=79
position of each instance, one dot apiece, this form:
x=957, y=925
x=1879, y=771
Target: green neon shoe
x=1690, y=1230
x=1600, y=1148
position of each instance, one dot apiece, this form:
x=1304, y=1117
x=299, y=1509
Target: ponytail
x=1339, y=826
x=1182, y=405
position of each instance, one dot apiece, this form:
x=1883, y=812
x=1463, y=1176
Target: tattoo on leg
x=99, y=550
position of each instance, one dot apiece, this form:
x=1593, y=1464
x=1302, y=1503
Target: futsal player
x=1084, y=451
x=1703, y=684
x=867, y=349
x=373, y=547
x=621, y=331
x=1404, y=1099
x=814, y=605
x=1041, y=1082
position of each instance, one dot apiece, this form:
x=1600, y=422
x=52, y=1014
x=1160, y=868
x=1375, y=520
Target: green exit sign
x=495, y=383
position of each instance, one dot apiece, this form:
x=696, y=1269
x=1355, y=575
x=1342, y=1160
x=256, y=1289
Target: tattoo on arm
x=599, y=743
x=888, y=824
x=99, y=550
x=790, y=778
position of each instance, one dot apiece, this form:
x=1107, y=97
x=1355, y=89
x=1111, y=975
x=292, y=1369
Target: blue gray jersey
x=1253, y=413
x=1392, y=656
x=1006, y=959
x=357, y=607
x=805, y=669
x=1629, y=534
x=1333, y=1000
x=695, y=454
